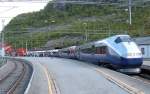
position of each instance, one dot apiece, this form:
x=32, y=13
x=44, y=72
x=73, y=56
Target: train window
x=65, y=51
x=101, y=50
x=89, y=50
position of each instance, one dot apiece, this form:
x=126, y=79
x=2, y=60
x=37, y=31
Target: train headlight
x=139, y=54
x=134, y=54
x=129, y=54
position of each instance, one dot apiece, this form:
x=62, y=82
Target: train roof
x=71, y=47
x=101, y=41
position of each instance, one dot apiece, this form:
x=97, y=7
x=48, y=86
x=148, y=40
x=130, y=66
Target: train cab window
x=118, y=40
x=101, y=50
x=123, y=39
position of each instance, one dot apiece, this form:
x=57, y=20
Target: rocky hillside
x=39, y=29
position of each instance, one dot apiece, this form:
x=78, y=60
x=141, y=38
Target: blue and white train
x=119, y=52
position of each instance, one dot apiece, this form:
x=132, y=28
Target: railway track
x=17, y=80
x=144, y=75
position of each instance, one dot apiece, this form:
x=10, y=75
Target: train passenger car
x=47, y=53
x=41, y=53
x=36, y=53
x=68, y=52
x=30, y=53
x=119, y=51
x=54, y=53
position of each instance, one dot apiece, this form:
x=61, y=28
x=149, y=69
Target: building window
x=143, y=51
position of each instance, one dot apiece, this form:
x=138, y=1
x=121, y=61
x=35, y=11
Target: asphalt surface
x=71, y=77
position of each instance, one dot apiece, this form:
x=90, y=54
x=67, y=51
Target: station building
x=144, y=44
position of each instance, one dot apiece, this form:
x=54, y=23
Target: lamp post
x=130, y=11
x=2, y=38
x=26, y=45
x=49, y=28
x=86, y=35
x=53, y=21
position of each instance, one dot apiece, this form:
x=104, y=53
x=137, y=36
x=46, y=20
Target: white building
x=144, y=44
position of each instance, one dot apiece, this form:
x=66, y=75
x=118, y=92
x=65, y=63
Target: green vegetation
x=98, y=21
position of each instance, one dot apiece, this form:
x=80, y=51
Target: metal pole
x=31, y=41
x=86, y=37
x=15, y=46
x=22, y=43
x=2, y=36
x=26, y=46
x=130, y=11
x=109, y=30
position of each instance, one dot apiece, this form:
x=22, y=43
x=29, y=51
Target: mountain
x=75, y=21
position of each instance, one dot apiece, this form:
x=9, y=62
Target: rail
x=17, y=80
x=14, y=86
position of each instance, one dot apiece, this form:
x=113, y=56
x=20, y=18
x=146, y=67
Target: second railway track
x=16, y=81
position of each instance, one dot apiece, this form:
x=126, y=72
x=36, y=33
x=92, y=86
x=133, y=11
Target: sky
x=8, y=10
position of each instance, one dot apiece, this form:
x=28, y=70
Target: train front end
x=129, y=55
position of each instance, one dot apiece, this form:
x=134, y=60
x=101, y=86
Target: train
x=119, y=51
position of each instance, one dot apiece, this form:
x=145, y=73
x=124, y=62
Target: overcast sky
x=8, y=10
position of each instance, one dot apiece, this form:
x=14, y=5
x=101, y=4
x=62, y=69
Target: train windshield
x=123, y=39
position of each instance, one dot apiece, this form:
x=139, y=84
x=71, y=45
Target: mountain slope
x=74, y=20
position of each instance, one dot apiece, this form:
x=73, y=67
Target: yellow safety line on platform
x=48, y=79
x=121, y=84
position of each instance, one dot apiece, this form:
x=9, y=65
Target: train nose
x=131, y=62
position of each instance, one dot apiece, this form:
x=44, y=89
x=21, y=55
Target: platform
x=71, y=77
x=68, y=76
